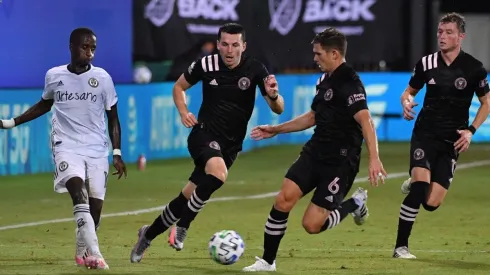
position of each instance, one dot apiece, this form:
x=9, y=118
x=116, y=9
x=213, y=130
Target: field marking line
x=252, y=197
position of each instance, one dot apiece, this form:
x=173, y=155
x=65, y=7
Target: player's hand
x=263, y=132
x=271, y=86
x=189, y=120
x=463, y=143
x=120, y=167
x=376, y=172
x=408, y=112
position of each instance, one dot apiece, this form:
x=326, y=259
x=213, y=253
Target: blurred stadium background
x=147, y=44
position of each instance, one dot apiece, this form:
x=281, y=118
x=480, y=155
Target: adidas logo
x=60, y=83
x=213, y=82
x=432, y=81
x=329, y=198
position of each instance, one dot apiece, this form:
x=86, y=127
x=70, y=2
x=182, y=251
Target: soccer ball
x=142, y=74
x=226, y=247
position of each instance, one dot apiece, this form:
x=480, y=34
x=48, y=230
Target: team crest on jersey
x=94, y=83
x=63, y=166
x=418, y=154
x=244, y=83
x=214, y=145
x=460, y=83
x=328, y=95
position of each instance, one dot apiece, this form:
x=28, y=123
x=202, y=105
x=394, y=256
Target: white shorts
x=93, y=171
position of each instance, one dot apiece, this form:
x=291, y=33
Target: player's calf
x=437, y=193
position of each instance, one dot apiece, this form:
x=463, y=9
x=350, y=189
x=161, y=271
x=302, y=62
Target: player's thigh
x=442, y=176
x=67, y=166
x=97, y=176
x=422, y=155
x=205, y=150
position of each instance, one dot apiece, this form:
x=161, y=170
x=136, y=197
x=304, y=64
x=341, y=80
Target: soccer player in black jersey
x=329, y=161
x=441, y=130
x=229, y=82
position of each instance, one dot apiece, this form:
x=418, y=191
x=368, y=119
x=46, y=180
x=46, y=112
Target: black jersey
x=337, y=136
x=450, y=90
x=228, y=94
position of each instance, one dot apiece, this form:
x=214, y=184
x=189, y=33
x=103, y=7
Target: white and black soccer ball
x=142, y=74
x=226, y=247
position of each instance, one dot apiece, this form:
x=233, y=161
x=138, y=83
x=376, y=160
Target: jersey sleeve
x=48, y=92
x=355, y=97
x=481, y=88
x=417, y=80
x=317, y=87
x=195, y=71
x=110, y=95
x=262, y=74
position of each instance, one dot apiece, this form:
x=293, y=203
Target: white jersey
x=80, y=101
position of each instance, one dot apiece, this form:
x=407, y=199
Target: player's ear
x=217, y=44
x=244, y=46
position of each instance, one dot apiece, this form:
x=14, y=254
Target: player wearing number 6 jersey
x=80, y=93
x=329, y=161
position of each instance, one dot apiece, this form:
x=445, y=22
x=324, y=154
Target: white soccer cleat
x=406, y=186
x=141, y=245
x=361, y=213
x=96, y=262
x=260, y=266
x=81, y=251
x=176, y=237
x=403, y=253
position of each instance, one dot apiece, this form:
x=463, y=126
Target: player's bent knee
x=420, y=174
x=188, y=189
x=314, y=218
x=77, y=190
x=429, y=207
x=216, y=166
x=288, y=196
x=312, y=227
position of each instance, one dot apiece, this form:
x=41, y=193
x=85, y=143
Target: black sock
x=170, y=214
x=409, y=210
x=198, y=200
x=340, y=213
x=275, y=228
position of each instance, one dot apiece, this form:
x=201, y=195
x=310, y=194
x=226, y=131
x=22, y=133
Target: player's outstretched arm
x=376, y=170
x=178, y=93
x=115, y=136
x=300, y=123
x=40, y=108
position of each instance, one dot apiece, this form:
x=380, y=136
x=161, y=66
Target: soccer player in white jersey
x=80, y=93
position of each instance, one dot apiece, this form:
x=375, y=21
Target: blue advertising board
x=35, y=37
x=151, y=124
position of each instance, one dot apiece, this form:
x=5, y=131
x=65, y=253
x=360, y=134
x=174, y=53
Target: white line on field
x=253, y=197
x=377, y=250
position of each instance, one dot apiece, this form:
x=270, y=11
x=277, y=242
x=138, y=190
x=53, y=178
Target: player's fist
x=376, y=172
x=263, y=132
x=189, y=120
x=271, y=86
x=408, y=112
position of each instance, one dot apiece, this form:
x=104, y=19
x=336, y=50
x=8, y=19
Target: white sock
x=86, y=228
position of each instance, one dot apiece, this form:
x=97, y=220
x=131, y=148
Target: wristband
x=116, y=152
x=8, y=123
x=472, y=129
x=273, y=98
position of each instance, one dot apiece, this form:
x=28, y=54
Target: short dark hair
x=457, y=18
x=330, y=39
x=232, y=28
x=78, y=33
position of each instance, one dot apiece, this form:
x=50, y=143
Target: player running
x=80, y=93
x=441, y=130
x=229, y=82
x=329, y=161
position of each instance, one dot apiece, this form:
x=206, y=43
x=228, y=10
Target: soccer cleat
x=406, y=186
x=81, y=251
x=141, y=245
x=176, y=237
x=96, y=262
x=361, y=213
x=260, y=266
x=403, y=253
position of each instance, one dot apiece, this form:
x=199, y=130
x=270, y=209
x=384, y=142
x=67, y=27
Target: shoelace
x=181, y=233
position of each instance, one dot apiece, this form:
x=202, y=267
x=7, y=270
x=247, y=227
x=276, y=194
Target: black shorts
x=332, y=182
x=439, y=157
x=203, y=146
